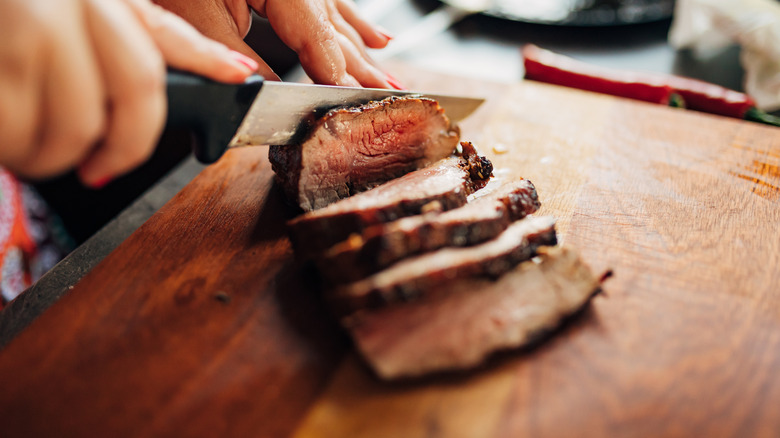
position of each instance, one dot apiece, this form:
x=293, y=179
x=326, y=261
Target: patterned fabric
x=32, y=240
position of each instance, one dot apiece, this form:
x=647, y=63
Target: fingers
x=305, y=27
x=20, y=76
x=263, y=69
x=372, y=35
x=82, y=84
x=359, y=67
x=216, y=49
x=134, y=79
x=183, y=47
x=359, y=64
x=324, y=62
x=330, y=57
x=67, y=92
x=133, y=66
x=330, y=39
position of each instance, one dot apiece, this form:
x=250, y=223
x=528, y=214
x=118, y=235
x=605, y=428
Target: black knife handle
x=211, y=110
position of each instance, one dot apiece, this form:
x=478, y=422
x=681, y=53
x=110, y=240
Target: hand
x=330, y=39
x=329, y=36
x=82, y=82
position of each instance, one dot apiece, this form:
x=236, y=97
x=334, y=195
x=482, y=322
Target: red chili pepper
x=710, y=98
x=545, y=66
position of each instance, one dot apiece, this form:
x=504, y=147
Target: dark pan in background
x=578, y=12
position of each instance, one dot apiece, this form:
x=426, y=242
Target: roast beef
x=381, y=245
x=413, y=276
x=442, y=186
x=351, y=150
x=456, y=325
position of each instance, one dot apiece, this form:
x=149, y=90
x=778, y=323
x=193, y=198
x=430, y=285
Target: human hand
x=82, y=83
x=226, y=21
x=329, y=36
x=330, y=39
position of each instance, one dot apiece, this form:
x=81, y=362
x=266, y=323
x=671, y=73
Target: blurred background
x=624, y=34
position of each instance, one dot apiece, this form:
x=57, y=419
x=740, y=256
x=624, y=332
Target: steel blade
x=283, y=112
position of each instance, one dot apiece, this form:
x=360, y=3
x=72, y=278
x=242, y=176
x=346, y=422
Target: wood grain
x=202, y=324
x=199, y=323
x=685, y=341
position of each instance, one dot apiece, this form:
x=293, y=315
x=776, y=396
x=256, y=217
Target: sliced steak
x=381, y=245
x=351, y=150
x=445, y=185
x=413, y=276
x=456, y=325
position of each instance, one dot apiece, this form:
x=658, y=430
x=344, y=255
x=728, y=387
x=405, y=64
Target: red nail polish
x=394, y=82
x=384, y=32
x=250, y=63
x=99, y=184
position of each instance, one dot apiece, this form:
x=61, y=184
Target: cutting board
x=203, y=324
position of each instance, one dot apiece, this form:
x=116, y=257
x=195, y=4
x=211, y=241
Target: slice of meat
x=412, y=277
x=380, y=246
x=445, y=185
x=351, y=150
x=457, y=325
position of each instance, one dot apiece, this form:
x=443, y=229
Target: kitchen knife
x=259, y=112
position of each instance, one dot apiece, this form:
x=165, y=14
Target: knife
x=259, y=112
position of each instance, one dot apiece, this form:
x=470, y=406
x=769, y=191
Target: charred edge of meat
x=311, y=238
x=493, y=358
x=374, y=104
x=379, y=246
x=286, y=164
x=481, y=327
x=521, y=204
x=315, y=232
x=344, y=299
x=479, y=167
x=492, y=268
x=292, y=164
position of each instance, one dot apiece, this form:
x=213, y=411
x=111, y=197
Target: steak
x=351, y=150
x=381, y=245
x=457, y=325
x=412, y=277
x=443, y=186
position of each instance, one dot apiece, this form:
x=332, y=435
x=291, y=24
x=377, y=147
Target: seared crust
x=445, y=186
x=458, y=324
x=351, y=150
x=412, y=277
x=379, y=246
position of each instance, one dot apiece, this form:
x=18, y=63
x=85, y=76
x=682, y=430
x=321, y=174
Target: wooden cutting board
x=202, y=324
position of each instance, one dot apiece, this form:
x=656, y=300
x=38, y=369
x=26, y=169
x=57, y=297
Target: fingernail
x=99, y=184
x=248, y=62
x=394, y=82
x=384, y=32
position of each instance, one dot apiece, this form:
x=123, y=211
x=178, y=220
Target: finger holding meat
x=372, y=35
x=227, y=22
x=325, y=41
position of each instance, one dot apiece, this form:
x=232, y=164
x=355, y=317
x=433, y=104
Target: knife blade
x=259, y=112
